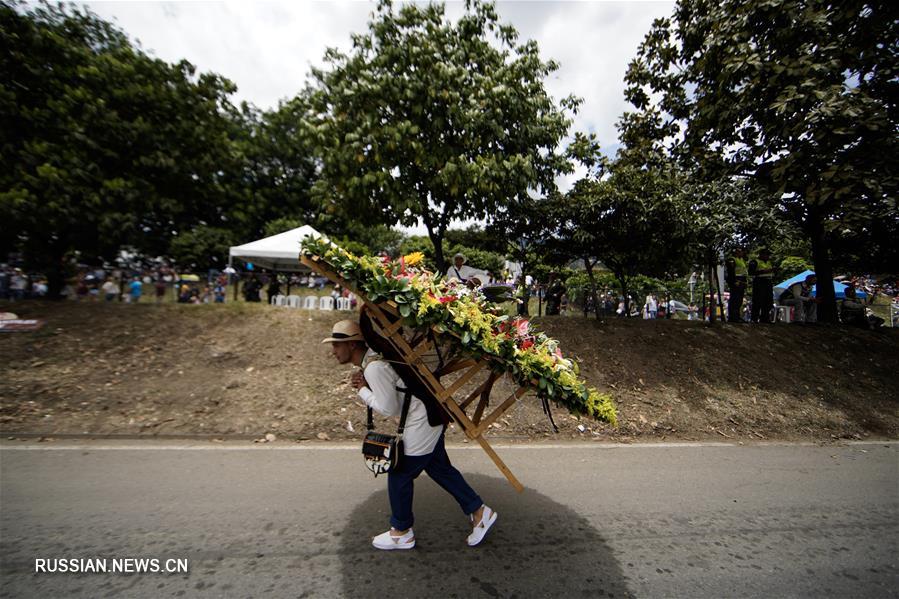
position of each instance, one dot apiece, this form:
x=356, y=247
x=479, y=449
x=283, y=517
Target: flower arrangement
x=424, y=299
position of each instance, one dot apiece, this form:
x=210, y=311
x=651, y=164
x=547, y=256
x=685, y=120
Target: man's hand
x=357, y=380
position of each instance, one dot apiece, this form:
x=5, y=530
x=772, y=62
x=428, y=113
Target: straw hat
x=345, y=330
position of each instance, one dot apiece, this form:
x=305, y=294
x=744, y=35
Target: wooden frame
x=387, y=317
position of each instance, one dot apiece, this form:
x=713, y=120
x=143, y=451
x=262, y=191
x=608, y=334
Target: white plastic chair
x=782, y=314
x=310, y=302
x=343, y=303
x=277, y=300
x=292, y=301
x=326, y=302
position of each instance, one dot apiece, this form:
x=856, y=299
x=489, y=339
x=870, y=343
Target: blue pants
x=401, y=484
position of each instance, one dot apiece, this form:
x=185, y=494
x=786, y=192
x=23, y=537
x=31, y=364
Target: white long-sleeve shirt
x=464, y=273
x=381, y=395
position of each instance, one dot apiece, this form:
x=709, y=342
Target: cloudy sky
x=266, y=48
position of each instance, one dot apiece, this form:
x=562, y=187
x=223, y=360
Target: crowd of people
x=800, y=297
x=749, y=296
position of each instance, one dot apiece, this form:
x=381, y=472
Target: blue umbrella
x=839, y=289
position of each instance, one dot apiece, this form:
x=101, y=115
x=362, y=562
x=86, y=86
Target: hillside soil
x=255, y=370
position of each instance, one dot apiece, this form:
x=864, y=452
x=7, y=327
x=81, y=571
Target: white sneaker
x=388, y=542
x=488, y=517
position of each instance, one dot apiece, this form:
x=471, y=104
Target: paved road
x=594, y=521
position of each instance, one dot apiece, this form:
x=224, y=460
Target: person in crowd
x=220, y=289
x=135, y=290
x=854, y=310
x=381, y=388
x=184, y=294
x=5, y=279
x=651, y=307
x=799, y=295
x=737, y=274
x=762, y=271
x=93, y=288
x=160, y=286
x=274, y=287
x=82, y=289
x=251, y=289
x=555, y=289
x=110, y=290
x=459, y=271
x=18, y=285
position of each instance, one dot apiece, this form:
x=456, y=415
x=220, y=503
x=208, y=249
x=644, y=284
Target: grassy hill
x=248, y=369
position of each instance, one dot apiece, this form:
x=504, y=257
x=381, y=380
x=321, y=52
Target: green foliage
x=791, y=266
x=202, y=248
x=630, y=222
x=280, y=225
x=433, y=120
x=475, y=257
x=274, y=171
x=102, y=145
x=800, y=96
x=476, y=236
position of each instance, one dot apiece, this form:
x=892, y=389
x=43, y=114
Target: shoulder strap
x=407, y=399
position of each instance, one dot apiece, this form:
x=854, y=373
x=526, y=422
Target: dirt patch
x=253, y=369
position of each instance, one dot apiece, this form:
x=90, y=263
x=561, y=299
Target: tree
x=721, y=215
x=101, y=145
x=800, y=95
x=275, y=171
x=629, y=221
x=202, y=248
x=434, y=120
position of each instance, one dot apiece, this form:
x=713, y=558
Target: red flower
x=446, y=299
x=522, y=326
x=527, y=344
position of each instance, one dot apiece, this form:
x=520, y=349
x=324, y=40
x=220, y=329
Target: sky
x=267, y=48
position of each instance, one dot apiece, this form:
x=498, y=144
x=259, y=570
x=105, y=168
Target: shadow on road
x=538, y=548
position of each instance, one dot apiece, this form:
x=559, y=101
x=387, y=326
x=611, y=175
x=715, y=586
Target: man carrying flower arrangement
x=379, y=386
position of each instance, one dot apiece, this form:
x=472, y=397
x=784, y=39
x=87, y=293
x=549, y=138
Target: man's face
x=342, y=352
x=458, y=261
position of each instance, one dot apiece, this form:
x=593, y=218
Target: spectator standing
x=652, y=307
x=18, y=284
x=110, y=290
x=736, y=278
x=220, y=289
x=160, y=286
x=554, y=292
x=135, y=290
x=762, y=271
x=274, y=287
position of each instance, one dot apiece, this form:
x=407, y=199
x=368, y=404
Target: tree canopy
x=102, y=145
x=799, y=95
x=434, y=120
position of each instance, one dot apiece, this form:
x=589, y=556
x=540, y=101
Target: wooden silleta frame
x=388, y=319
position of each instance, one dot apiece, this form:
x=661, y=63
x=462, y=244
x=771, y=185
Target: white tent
x=278, y=252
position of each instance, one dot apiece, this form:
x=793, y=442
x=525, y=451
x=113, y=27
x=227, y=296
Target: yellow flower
x=413, y=258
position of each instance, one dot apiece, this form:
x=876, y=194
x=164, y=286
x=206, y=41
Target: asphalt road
x=593, y=521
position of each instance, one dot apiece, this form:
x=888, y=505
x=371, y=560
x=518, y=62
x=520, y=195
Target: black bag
x=382, y=453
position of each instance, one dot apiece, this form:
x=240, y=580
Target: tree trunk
x=827, y=309
x=589, y=266
x=712, y=278
x=436, y=238
x=56, y=282
x=627, y=302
